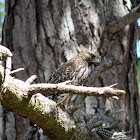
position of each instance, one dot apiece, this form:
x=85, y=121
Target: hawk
x=76, y=69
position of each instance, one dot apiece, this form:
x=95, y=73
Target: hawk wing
x=64, y=73
x=76, y=71
x=72, y=70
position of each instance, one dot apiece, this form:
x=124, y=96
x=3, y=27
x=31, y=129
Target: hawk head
x=90, y=57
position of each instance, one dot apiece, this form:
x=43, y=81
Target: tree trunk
x=42, y=35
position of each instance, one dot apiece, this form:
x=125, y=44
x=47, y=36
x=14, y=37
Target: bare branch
x=8, y=65
x=6, y=53
x=120, y=23
x=30, y=79
x=80, y=90
x=113, y=85
x=115, y=97
x=16, y=71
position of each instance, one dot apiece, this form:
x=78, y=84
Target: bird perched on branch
x=77, y=70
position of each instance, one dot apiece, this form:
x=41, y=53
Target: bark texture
x=43, y=34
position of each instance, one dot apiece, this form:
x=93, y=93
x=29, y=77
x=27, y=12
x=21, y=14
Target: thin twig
x=115, y=97
x=30, y=79
x=16, y=71
x=113, y=85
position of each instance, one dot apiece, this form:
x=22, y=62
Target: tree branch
x=105, y=65
x=30, y=79
x=120, y=23
x=16, y=71
x=5, y=52
x=23, y=99
x=79, y=90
